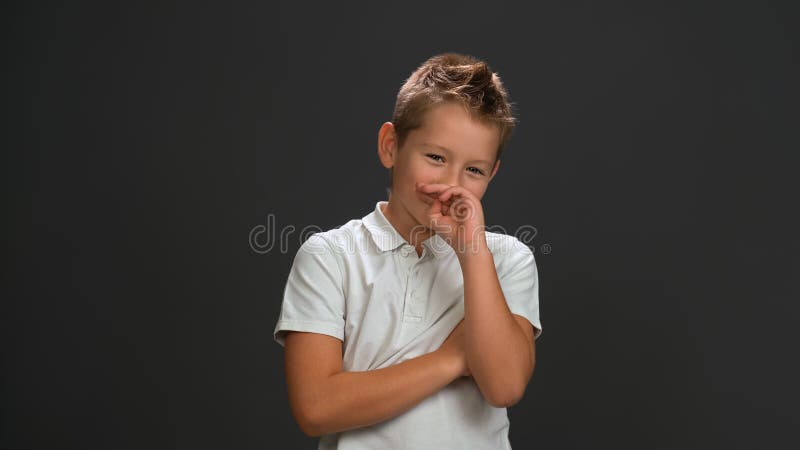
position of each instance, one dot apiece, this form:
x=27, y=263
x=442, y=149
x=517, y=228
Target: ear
x=494, y=170
x=387, y=145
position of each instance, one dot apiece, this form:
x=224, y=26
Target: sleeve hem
x=311, y=326
x=537, y=327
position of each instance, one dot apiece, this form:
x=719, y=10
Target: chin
x=422, y=221
x=417, y=209
x=415, y=214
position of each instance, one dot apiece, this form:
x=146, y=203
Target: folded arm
x=500, y=345
x=325, y=399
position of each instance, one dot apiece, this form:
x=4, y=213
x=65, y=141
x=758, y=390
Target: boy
x=414, y=327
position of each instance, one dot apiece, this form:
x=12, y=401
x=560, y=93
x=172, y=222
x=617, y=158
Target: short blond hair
x=454, y=77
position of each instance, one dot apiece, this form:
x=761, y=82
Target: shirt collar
x=387, y=238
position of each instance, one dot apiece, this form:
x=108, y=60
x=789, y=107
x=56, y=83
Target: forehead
x=449, y=125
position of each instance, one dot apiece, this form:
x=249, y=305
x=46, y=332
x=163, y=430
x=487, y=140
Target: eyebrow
x=481, y=161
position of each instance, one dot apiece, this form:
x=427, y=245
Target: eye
x=477, y=171
x=433, y=156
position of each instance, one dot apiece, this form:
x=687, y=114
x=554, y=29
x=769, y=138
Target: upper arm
x=519, y=280
x=310, y=358
x=528, y=330
x=314, y=298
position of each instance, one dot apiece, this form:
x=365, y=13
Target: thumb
x=434, y=213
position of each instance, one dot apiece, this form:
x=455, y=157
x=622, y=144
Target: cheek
x=476, y=187
x=421, y=172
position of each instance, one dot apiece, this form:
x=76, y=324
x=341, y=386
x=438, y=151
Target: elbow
x=313, y=411
x=504, y=391
x=507, y=396
x=310, y=421
x=310, y=432
x=309, y=429
x=511, y=392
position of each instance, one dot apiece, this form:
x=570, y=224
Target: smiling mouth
x=428, y=198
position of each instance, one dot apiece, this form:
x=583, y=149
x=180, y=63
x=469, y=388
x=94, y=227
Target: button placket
x=401, y=258
x=414, y=305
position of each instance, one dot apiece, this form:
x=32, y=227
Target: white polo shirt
x=364, y=284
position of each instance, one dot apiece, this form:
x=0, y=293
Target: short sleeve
x=313, y=299
x=519, y=280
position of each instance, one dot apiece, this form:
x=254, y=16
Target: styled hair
x=454, y=77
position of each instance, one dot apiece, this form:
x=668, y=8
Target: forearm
x=497, y=350
x=350, y=400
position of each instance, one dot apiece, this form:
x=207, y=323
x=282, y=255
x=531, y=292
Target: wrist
x=477, y=248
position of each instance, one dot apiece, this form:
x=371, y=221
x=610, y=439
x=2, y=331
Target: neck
x=406, y=225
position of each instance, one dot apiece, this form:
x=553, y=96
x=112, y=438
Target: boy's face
x=449, y=148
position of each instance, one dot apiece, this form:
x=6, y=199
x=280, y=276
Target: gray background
x=656, y=154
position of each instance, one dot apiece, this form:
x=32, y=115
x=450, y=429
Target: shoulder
x=340, y=243
x=507, y=246
x=342, y=238
x=508, y=251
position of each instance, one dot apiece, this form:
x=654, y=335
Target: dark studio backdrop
x=656, y=156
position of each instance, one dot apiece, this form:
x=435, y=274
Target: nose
x=449, y=178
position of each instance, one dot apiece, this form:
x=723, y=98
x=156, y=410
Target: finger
x=446, y=195
x=462, y=209
x=427, y=198
x=435, y=211
x=431, y=188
